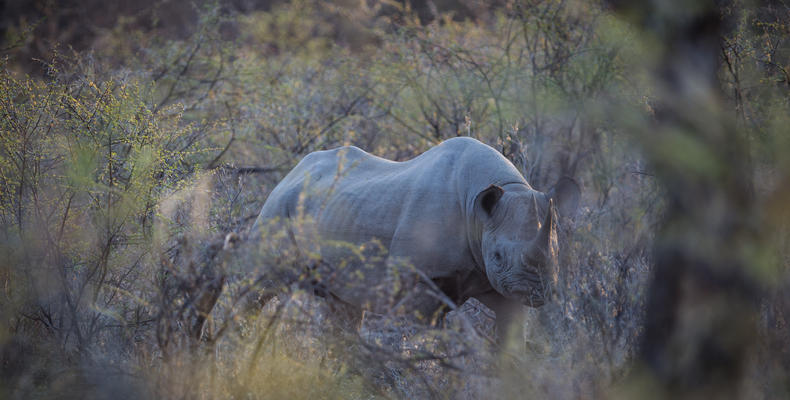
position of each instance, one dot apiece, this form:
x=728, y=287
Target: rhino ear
x=488, y=198
x=566, y=195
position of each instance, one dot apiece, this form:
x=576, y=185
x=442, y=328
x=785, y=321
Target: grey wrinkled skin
x=460, y=213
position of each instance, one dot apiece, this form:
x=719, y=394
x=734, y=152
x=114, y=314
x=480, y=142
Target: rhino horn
x=541, y=245
x=534, y=215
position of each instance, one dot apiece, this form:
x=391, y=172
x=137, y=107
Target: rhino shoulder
x=461, y=143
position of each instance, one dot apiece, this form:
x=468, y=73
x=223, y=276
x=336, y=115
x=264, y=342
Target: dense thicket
x=133, y=143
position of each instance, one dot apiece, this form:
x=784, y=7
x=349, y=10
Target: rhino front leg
x=509, y=319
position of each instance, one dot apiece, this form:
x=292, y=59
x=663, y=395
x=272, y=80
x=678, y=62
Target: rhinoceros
x=460, y=214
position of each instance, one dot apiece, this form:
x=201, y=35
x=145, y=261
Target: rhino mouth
x=534, y=293
x=531, y=298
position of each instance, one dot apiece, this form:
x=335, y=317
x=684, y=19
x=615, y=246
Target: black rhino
x=461, y=214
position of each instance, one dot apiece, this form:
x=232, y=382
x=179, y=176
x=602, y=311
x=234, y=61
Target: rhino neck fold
x=518, y=185
x=474, y=236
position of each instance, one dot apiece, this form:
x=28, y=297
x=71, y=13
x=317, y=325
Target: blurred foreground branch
x=703, y=300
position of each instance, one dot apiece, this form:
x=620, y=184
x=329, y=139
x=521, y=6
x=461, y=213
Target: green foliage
x=85, y=161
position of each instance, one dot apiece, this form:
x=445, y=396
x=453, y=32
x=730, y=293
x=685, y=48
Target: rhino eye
x=497, y=256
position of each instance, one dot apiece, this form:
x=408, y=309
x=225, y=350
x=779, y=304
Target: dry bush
x=131, y=173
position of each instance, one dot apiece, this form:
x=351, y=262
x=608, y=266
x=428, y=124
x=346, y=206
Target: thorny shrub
x=130, y=175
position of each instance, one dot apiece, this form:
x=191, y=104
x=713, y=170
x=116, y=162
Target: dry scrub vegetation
x=133, y=164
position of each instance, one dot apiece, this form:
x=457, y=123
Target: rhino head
x=519, y=239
